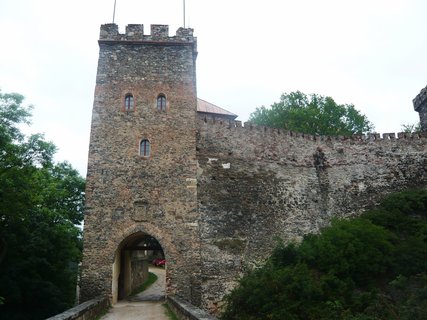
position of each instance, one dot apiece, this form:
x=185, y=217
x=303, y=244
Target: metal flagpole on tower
x=114, y=11
x=184, y=11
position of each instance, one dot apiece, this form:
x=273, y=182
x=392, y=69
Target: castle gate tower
x=141, y=179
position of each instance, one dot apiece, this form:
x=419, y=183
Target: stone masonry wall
x=420, y=105
x=127, y=193
x=258, y=184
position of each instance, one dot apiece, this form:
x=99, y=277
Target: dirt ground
x=144, y=306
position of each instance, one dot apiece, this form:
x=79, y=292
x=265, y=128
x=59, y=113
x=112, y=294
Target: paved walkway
x=144, y=306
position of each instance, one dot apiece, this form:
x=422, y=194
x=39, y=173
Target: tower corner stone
x=420, y=106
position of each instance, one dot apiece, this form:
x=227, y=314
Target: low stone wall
x=88, y=310
x=186, y=311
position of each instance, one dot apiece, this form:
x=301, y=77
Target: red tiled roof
x=204, y=106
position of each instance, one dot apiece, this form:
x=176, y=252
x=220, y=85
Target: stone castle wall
x=257, y=184
x=215, y=195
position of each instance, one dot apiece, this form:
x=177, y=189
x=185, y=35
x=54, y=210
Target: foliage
x=169, y=312
x=411, y=127
x=41, y=204
x=102, y=314
x=312, y=114
x=371, y=267
x=152, y=277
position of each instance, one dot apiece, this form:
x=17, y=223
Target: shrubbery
x=367, y=268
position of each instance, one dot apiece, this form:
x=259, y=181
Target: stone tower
x=420, y=105
x=142, y=160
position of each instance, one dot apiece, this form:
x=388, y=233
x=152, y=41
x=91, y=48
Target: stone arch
x=134, y=229
x=128, y=269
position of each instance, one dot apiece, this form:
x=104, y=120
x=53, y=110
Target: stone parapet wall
x=89, y=310
x=249, y=127
x=186, y=311
x=250, y=142
x=135, y=32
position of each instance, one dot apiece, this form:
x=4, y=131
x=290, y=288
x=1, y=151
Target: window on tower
x=128, y=103
x=144, y=148
x=161, y=102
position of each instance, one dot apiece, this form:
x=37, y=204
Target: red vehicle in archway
x=159, y=262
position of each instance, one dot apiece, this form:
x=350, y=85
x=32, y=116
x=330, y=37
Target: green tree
x=411, y=127
x=41, y=204
x=312, y=114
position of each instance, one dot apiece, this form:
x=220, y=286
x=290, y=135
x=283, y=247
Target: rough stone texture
x=88, y=310
x=256, y=184
x=125, y=192
x=186, y=311
x=141, y=310
x=214, y=194
x=420, y=105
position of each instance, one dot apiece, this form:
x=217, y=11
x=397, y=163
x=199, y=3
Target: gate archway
x=132, y=260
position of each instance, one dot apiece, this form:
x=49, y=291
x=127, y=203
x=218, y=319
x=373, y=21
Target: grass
x=147, y=283
x=103, y=313
x=169, y=313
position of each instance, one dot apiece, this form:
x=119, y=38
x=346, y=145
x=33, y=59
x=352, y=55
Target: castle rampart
x=256, y=184
x=135, y=33
x=249, y=126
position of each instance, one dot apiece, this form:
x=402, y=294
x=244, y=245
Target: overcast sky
x=372, y=53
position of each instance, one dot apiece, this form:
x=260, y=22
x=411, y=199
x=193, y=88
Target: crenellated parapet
x=266, y=132
x=135, y=33
x=420, y=105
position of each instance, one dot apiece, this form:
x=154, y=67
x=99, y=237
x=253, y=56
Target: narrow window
x=129, y=102
x=144, y=148
x=161, y=102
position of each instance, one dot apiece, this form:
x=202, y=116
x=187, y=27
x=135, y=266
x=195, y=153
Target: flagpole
x=114, y=11
x=184, y=11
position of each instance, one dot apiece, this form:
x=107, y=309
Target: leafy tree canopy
x=368, y=268
x=312, y=114
x=41, y=205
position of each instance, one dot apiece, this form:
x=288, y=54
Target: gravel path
x=145, y=306
x=156, y=292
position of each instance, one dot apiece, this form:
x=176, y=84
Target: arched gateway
x=131, y=264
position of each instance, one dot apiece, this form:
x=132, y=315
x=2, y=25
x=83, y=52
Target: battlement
x=251, y=128
x=420, y=100
x=135, y=33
